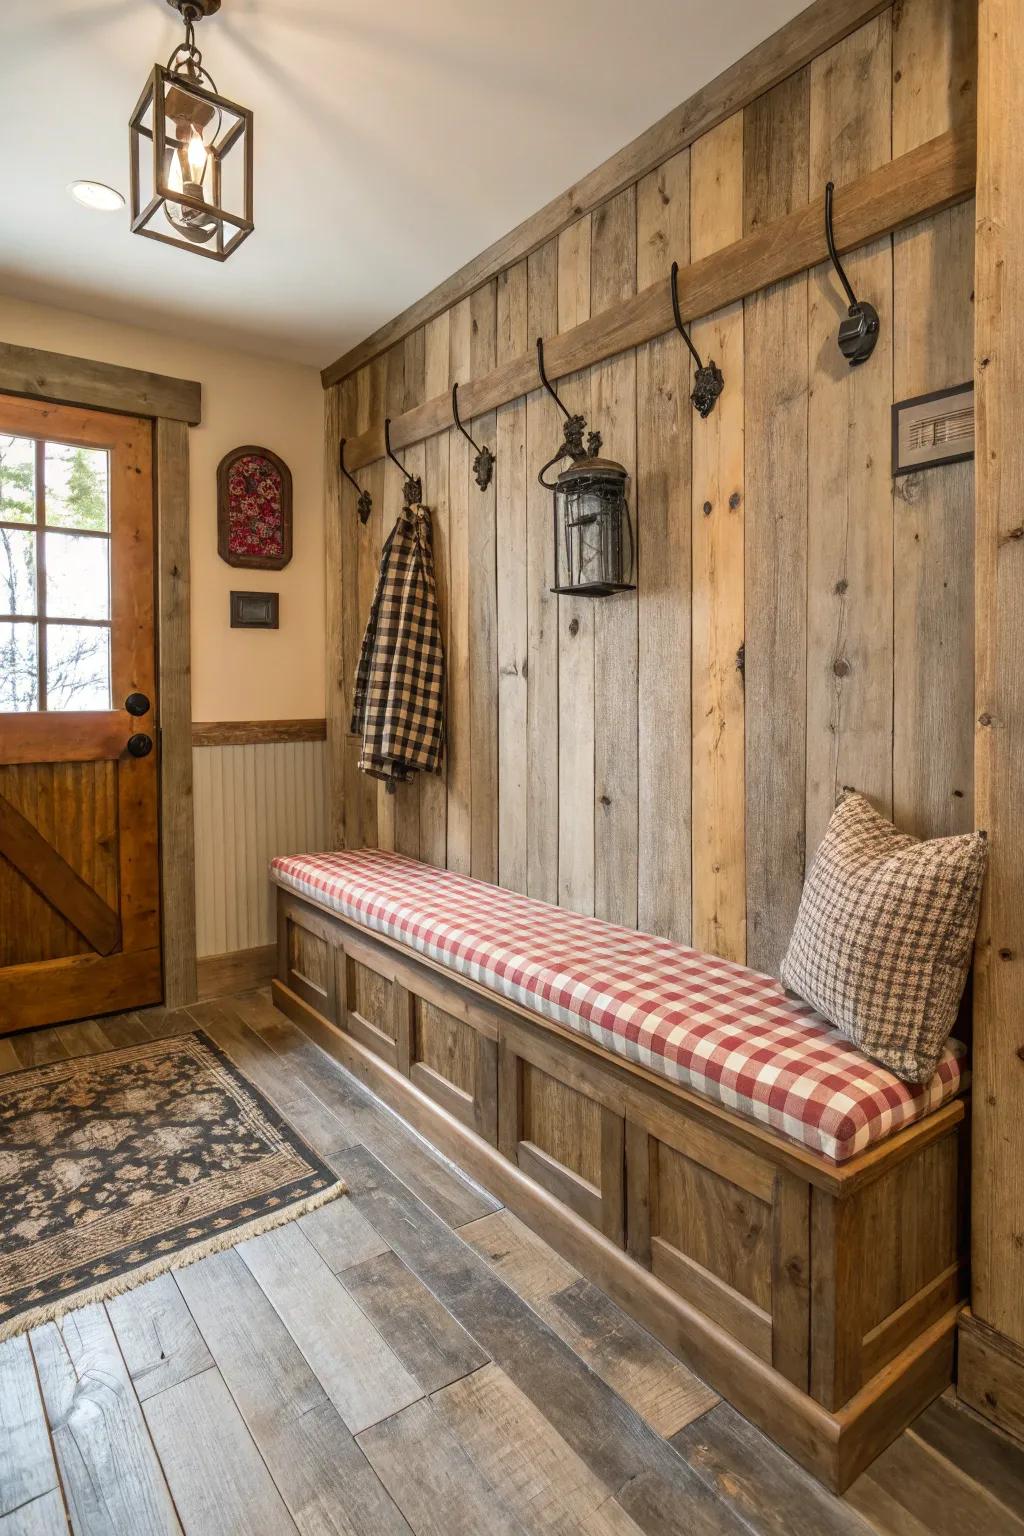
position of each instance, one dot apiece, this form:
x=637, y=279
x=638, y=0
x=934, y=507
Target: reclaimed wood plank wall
x=669, y=758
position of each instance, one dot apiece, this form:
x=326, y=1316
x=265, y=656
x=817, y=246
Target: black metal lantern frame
x=204, y=198
x=593, y=535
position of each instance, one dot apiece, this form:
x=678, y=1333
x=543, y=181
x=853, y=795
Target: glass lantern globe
x=593, y=533
x=193, y=187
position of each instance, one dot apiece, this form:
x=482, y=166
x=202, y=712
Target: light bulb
x=175, y=180
x=196, y=155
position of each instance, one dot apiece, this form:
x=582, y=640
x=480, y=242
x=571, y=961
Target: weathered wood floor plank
x=768, y=1490
x=432, y=1346
x=219, y=1480
x=361, y=1375
x=609, y=1437
x=43, y=1517
x=541, y=1480
x=618, y=1349
x=159, y=1340
x=323, y=1477
x=27, y=1471
x=430, y=1476
x=110, y=1473
x=341, y=1235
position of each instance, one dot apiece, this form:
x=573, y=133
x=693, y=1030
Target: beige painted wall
x=236, y=674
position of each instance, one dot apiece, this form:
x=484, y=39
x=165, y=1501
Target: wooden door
x=79, y=871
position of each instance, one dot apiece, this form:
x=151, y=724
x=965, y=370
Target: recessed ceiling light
x=94, y=194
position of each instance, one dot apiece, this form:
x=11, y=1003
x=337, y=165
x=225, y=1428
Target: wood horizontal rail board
x=810, y=33
x=240, y=733
x=103, y=386
x=38, y=862
x=924, y=181
x=72, y=736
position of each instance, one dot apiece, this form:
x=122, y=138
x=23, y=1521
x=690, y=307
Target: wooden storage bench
x=820, y=1298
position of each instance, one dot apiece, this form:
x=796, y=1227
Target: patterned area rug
x=116, y=1167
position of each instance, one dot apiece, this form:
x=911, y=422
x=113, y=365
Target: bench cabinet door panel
x=727, y=1231
x=456, y=1064
x=564, y=1126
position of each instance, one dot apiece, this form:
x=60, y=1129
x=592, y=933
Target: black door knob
x=136, y=704
x=140, y=745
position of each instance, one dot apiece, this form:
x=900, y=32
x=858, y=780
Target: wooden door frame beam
x=934, y=176
x=173, y=405
x=70, y=380
x=810, y=33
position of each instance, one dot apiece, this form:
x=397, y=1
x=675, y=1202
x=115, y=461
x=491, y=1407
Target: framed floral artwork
x=254, y=509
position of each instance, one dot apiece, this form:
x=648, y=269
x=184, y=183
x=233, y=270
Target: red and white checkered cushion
x=705, y=1023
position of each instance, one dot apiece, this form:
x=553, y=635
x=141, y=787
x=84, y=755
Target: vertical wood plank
x=335, y=620
x=434, y=789
x=459, y=753
x=512, y=597
x=791, y=1278
x=542, y=682
x=934, y=63
x=576, y=617
x=365, y=542
x=345, y=623
x=174, y=701
x=776, y=131
x=662, y=510
x=849, y=545
x=391, y=506
x=613, y=414
x=407, y=796
x=998, y=1167
x=483, y=603
x=719, y=886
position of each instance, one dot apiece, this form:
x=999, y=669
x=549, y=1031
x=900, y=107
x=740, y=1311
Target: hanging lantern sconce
x=193, y=188
x=593, y=534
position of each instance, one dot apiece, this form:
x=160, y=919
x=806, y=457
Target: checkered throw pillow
x=884, y=935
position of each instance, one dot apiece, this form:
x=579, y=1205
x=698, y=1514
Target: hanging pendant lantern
x=593, y=534
x=193, y=189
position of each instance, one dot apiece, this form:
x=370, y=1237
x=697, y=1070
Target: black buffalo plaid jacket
x=399, y=695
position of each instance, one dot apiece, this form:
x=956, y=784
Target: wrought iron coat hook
x=483, y=464
x=708, y=382
x=574, y=428
x=859, y=332
x=364, y=506
x=412, y=490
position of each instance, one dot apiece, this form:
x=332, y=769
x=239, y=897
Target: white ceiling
x=392, y=144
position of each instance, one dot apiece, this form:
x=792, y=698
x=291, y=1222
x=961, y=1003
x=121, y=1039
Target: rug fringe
x=117, y=1285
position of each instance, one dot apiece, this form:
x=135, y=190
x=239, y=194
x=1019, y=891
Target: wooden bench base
x=820, y=1300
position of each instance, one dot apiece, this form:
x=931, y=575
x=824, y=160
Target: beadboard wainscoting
x=253, y=799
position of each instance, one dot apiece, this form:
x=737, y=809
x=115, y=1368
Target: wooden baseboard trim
x=834, y=1447
x=243, y=733
x=238, y=971
x=990, y=1374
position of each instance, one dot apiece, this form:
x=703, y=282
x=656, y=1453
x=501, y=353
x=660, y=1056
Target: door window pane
x=19, y=668
x=77, y=576
x=77, y=667
x=77, y=488
x=17, y=479
x=18, y=570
